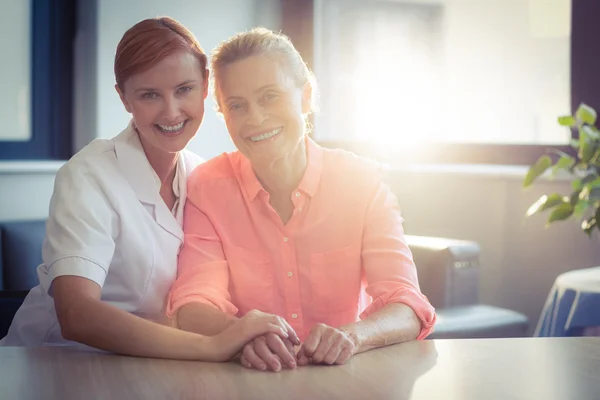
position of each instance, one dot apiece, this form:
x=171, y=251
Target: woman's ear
x=307, y=98
x=206, y=80
x=123, y=100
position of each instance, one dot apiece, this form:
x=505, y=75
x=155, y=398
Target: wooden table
x=529, y=368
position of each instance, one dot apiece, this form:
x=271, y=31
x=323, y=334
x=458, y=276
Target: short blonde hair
x=256, y=42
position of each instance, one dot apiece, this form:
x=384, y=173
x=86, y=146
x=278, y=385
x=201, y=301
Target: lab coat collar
x=136, y=168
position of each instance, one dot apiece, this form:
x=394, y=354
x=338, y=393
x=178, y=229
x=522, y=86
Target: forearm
x=394, y=323
x=203, y=319
x=103, y=326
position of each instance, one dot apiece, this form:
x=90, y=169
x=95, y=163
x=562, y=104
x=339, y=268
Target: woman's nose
x=171, y=110
x=256, y=115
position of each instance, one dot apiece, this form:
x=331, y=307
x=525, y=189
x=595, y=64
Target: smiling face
x=167, y=102
x=264, y=109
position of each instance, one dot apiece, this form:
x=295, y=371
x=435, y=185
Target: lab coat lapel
x=136, y=168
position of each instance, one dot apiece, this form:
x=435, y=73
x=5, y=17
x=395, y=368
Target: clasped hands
x=324, y=345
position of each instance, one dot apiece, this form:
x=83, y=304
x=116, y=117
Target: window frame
x=53, y=26
x=585, y=60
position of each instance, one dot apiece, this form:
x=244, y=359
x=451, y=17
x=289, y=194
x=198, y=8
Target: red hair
x=148, y=42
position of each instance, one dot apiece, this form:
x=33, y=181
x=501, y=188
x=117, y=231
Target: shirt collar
x=308, y=184
x=249, y=180
x=135, y=166
x=314, y=168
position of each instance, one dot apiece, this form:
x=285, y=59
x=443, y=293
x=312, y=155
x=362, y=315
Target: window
x=453, y=80
x=14, y=40
x=37, y=74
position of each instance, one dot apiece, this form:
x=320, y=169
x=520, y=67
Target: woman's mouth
x=172, y=130
x=266, y=135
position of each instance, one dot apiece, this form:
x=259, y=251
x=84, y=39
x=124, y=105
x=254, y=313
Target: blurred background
x=456, y=97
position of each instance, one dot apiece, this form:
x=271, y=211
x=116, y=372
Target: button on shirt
x=340, y=257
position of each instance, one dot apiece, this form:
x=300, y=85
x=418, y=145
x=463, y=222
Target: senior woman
x=290, y=228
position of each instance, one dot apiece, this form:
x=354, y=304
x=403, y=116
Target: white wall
x=25, y=189
x=15, y=35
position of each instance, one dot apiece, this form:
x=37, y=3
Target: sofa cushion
x=22, y=253
x=1, y=269
x=478, y=321
x=448, y=270
x=9, y=304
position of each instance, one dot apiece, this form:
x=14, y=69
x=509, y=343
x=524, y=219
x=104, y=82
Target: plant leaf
x=586, y=114
x=580, y=208
x=594, y=195
x=544, y=203
x=574, y=198
x=566, y=120
x=585, y=192
x=590, y=192
x=564, y=162
x=595, y=157
x=595, y=183
x=537, y=169
x=535, y=207
x=589, y=178
x=553, y=200
x=586, y=150
x=591, y=131
x=560, y=213
x=559, y=153
x=574, y=143
x=588, y=225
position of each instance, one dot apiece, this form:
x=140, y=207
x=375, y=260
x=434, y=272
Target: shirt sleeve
x=202, y=270
x=389, y=268
x=80, y=228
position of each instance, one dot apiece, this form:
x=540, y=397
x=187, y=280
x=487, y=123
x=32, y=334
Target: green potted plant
x=583, y=203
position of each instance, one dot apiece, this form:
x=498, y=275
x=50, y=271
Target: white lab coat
x=109, y=224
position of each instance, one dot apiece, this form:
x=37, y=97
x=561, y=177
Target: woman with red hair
x=115, y=225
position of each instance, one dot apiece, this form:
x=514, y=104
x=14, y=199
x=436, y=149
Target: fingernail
x=262, y=367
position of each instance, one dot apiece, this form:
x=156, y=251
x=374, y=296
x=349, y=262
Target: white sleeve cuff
x=76, y=266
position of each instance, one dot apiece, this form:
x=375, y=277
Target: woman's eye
x=235, y=107
x=270, y=96
x=149, y=95
x=184, y=89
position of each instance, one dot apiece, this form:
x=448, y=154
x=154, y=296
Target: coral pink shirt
x=341, y=256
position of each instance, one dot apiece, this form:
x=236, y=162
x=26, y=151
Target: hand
x=255, y=323
x=327, y=345
x=269, y=352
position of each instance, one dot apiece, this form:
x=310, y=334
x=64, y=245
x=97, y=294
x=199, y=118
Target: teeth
x=265, y=136
x=172, y=128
